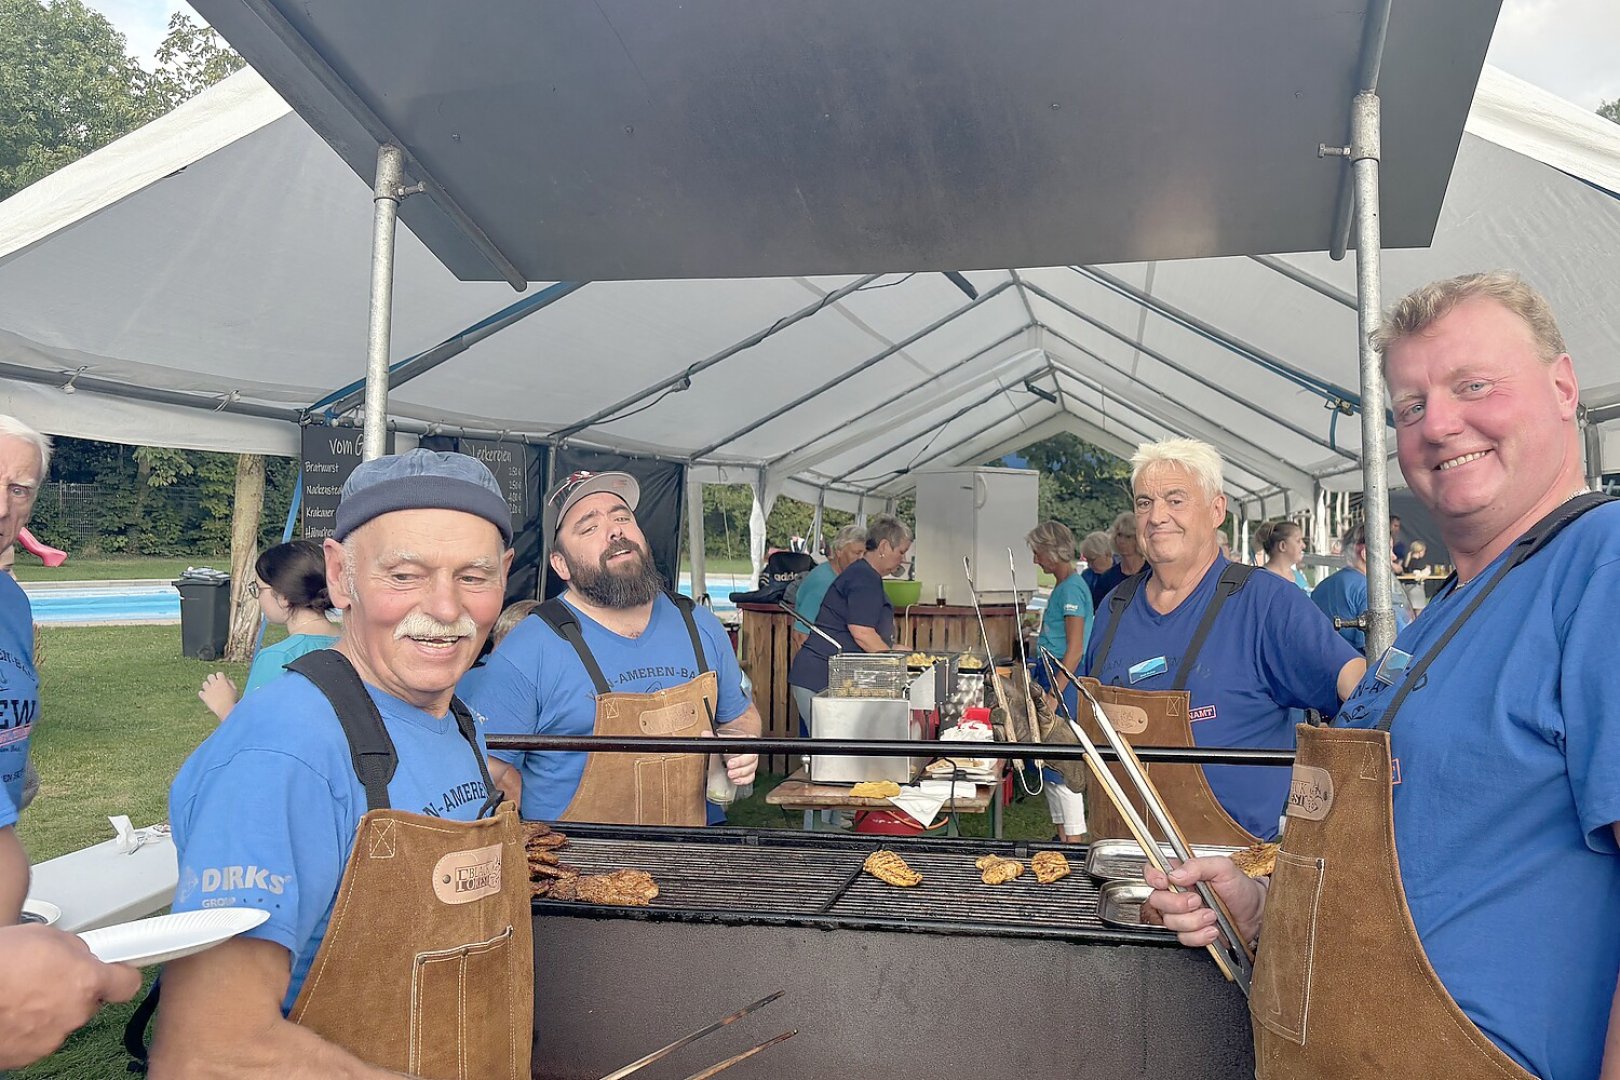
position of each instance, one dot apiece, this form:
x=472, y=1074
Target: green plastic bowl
x=902, y=593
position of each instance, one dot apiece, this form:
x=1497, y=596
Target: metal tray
x=1119, y=903
x=1115, y=860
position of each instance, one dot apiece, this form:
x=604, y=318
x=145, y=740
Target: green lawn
x=113, y=569
x=119, y=715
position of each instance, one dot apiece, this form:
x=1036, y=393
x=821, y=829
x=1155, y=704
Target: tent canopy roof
x=202, y=282
x=639, y=139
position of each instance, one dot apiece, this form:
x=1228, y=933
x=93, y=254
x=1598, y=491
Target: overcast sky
x=1571, y=47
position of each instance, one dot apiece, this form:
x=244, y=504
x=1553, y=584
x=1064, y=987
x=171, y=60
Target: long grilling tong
x=1001, y=691
x=685, y=1040
x=1231, y=952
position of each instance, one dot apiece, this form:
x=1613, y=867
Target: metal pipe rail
x=1173, y=755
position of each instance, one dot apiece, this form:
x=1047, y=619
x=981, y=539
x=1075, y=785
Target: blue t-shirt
x=1344, y=594
x=807, y=601
x=19, y=694
x=1102, y=584
x=1270, y=651
x=264, y=812
x=856, y=598
x=535, y=684
x=1070, y=599
x=1507, y=787
x=272, y=660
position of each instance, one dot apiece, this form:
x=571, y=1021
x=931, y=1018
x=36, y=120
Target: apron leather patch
x=1127, y=719
x=1310, y=793
x=464, y=876
x=668, y=720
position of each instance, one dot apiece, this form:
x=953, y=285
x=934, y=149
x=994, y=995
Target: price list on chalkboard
x=328, y=456
x=510, y=464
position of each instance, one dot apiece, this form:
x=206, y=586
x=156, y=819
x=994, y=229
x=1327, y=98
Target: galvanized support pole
x=1592, y=440
x=696, y=550
x=1364, y=158
x=385, y=199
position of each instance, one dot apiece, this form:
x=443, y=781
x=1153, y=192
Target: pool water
x=119, y=603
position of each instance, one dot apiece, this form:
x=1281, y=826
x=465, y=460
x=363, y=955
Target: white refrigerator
x=979, y=513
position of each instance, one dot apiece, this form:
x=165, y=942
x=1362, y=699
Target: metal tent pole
x=696, y=550
x=385, y=198
x=1364, y=158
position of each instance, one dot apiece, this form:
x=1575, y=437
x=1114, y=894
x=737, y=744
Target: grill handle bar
x=1165, y=755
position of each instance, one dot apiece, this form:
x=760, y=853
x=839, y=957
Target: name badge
x=1147, y=669
x=1392, y=666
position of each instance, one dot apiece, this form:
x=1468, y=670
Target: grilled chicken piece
x=1049, y=866
x=1001, y=871
x=550, y=858
x=532, y=829
x=891, y=869
x=621, y=888
x=1257, y=860
x=984, y=862
x=560, y=870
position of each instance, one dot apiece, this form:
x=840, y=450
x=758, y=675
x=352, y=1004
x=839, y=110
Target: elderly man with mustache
x=351, y=802
x=614, y=655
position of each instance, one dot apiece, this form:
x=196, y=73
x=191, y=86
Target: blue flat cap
x=421, y=480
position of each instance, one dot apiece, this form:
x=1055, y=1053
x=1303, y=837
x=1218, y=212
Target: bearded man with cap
x=351, y=801
x=614, y=655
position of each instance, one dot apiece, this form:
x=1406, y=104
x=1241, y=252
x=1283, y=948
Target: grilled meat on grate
x=1000, y=871
x=1049, y=866
x=891, y=869
x=621, y=888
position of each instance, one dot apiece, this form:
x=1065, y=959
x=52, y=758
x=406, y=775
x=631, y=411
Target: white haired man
x=1478, y=761
x=49, y=982
x=1245, y=648
x=351, y=802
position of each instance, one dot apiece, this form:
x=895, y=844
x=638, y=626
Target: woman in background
x=1283, y=544
x=290, y=583
x=1098, y=551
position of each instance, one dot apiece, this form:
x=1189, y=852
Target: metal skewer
x=685, y=1040
x=814, y=629
x=990, y=661
x=715, y=1070
x=1230, y=951
x=1023, y=658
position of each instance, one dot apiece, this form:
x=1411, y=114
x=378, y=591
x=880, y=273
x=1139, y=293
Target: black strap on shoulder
x=1231, y=580
x=135, y=1029
x=684, y=605
x=370, y=747
x=1118, y=600
x=468, y=726
x=561, y=618
x=1528, y=545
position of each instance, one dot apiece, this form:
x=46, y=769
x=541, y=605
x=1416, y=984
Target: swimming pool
x=123, y=602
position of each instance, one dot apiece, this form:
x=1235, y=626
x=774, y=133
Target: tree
x=67, y=87
x=190, y=60
x=1081, y=486
x=1610, y=110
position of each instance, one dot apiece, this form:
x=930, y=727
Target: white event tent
x=198, y=284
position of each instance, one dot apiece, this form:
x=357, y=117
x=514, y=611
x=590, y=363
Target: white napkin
x=129, y=839
x=923, y=801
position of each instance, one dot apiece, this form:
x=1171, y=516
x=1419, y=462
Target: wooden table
x=798, y=793
x=765, y=650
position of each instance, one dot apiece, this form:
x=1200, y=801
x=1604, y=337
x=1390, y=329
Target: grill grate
x=744, y=876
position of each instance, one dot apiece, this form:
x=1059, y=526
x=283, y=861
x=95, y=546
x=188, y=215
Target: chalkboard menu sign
x=329, y=455
x=509, y=461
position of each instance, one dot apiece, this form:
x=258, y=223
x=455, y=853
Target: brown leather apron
x=642, y=789
x=427, y=965
x=1159, y=718
x=1342, y=988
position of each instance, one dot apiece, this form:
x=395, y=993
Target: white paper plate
x=41, y=911
x=169, y=937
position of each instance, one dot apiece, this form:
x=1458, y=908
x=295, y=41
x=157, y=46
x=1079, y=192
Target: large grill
x=952, y=978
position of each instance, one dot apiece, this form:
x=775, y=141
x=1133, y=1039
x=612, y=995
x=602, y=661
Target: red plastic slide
x=48, y=555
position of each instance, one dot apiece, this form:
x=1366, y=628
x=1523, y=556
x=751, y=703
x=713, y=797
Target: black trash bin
x=205, y=612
